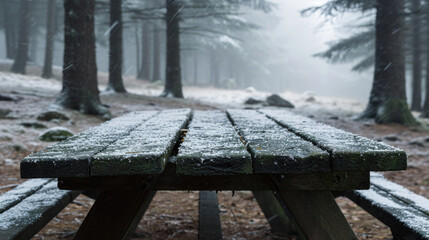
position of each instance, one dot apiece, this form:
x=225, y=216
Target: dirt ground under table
x=174, y=215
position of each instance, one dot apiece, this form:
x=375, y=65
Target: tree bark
x=50, y=34
x=195, y=68
x=387, y=102
x=173, y=81
x=416, y=100
x=23, y=39
x=136, y=36
x=425, y=110
x=80, y=88
x=156, y=70
x=116, y=83
x=9, y=28
x=145, y=63
x=214, y=69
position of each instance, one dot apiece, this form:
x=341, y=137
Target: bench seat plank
x=70, y=158
x=417, y=201
x=145, y=149
x=404, y=220
x=276, y=150
x=212, y=147
x=30, y=215
x=349, y=152
x=20, y=192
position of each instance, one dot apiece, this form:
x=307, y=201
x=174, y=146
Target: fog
x=282, y=47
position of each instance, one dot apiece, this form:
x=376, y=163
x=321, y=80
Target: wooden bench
x=129, y=158
x=27, y=208
x=406, y=213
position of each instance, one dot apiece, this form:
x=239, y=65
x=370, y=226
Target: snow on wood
x=145, y=149
x=70, y=158
x=398, y=191
x=23, y=190
x=349, y=151
x=274, y=148
x=403, y=218
x=26, y=218
x=212, y=147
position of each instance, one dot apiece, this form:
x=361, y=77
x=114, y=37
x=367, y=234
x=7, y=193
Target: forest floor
x=174, y=215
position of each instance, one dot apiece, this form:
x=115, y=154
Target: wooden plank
x=349, y=152
x=70, y=158
x=28, y=217
x=145, y=149
x=209, y=226
x=135, y=223
x=276, y=150
x=115, y=211
x=317, y=215
x=170, y=180
x=395, y=190
x=404, y=220
x=212, y=147
x=275, y=213
x=20, y=192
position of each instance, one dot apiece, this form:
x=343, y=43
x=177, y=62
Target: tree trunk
x=9, y=28
x=80, y=88
x=156, y=74
x=23, y=39
x=145, y=63
x=387, y=102
x=50, y=34
x=214, y=69
x=136, y=36
x=116, y=83
x=173, y=81
x=416, y=101
x=425, y=110
x=195, y=68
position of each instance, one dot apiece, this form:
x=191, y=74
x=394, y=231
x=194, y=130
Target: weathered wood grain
x=20, y=192
x=276, y=150
x=405, y=212
x=114, y=212
x=348, y=151
x=145, y=149
x=30, y=215
x=317, y=215
x=209, y=225
x=275, y=213
x=70, y=158
x=170, y=180
x=212, y=147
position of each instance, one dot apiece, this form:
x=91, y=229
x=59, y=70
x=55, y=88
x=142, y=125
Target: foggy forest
x=199, y=82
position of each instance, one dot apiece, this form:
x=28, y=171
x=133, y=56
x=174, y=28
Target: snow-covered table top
x=211, y=143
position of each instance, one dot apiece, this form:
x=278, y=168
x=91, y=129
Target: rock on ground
x=277, y=101
x=4, y=112
x=55, y=134
x=52, y=114
x=36, y=125
x=252, y=101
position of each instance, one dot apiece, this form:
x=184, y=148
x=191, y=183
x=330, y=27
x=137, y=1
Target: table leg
x=274, y=212
x=140, y=215
x=317, y=214
x=114, y=212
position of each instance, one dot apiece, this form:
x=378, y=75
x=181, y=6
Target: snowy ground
x=174, y=214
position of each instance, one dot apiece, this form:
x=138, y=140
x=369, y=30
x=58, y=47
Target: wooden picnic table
x=130, y=157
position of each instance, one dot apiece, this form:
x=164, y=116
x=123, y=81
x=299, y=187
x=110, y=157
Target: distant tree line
x=182, y=27
x=392, y=38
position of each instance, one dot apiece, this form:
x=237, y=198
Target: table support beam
x=317, y=215
x=114, y=211
x=275, y=213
